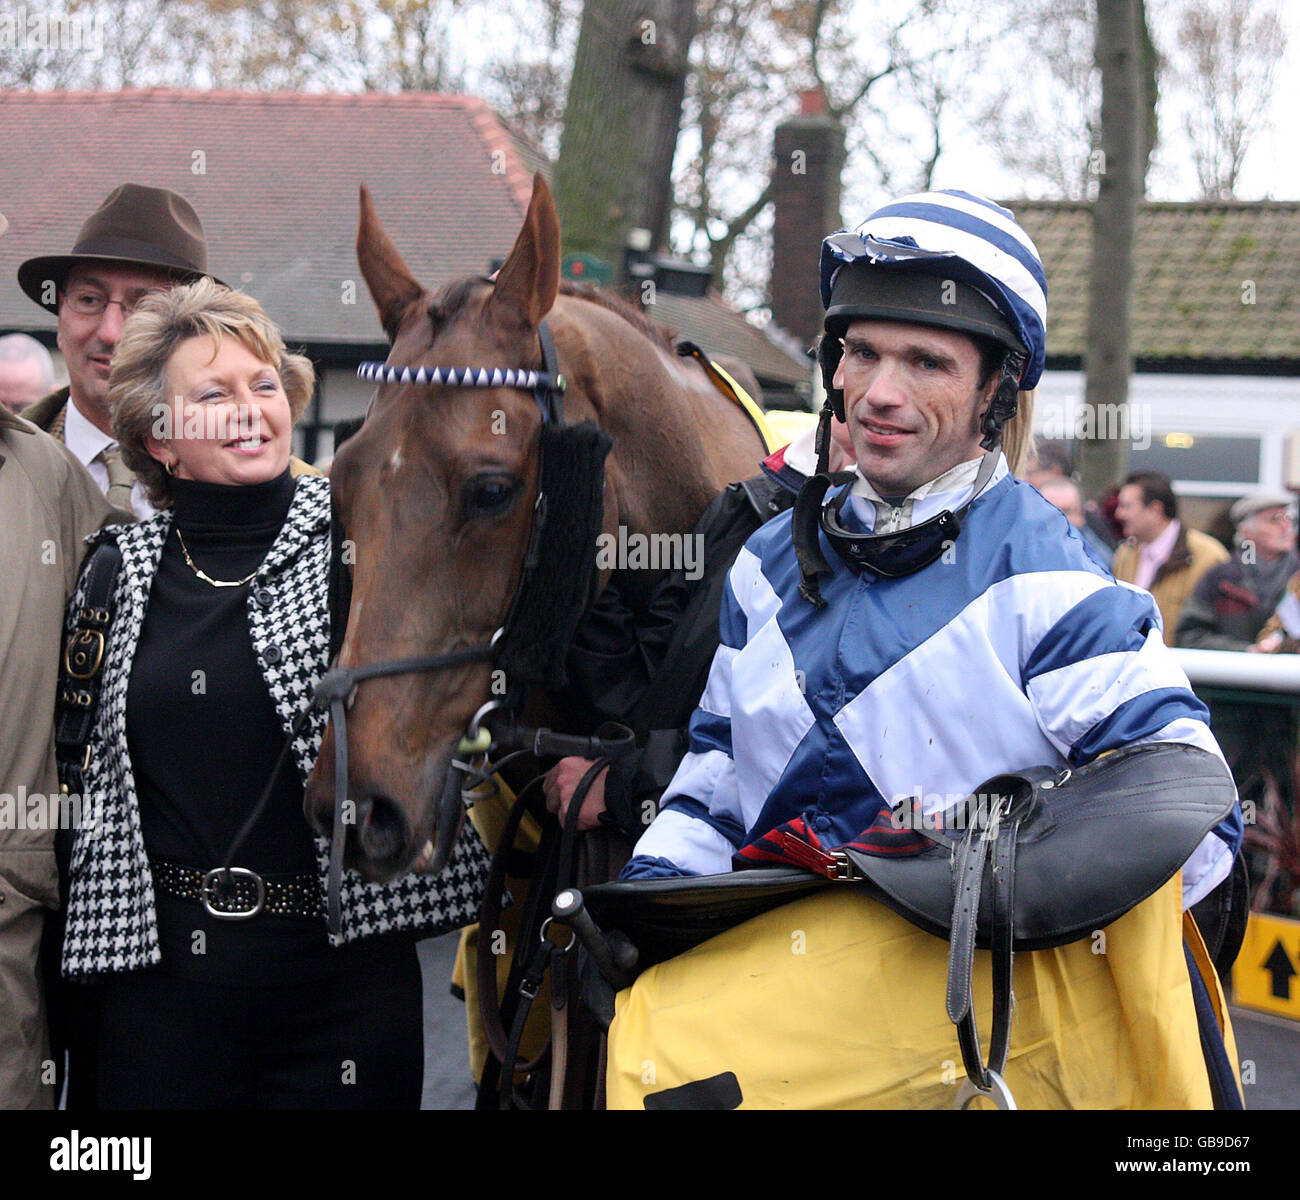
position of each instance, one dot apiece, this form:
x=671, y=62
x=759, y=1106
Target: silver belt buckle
x=208, y=890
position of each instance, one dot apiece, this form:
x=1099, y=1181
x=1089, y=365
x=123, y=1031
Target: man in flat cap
x=139, y=239
x=1232, y=601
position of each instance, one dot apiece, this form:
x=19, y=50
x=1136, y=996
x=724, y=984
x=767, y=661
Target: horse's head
x=435, y=494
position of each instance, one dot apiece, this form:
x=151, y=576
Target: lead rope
x=334, y=892
x=227, y=880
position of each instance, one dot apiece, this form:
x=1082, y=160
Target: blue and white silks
x=1014, y=649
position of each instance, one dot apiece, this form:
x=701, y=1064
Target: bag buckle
x=217, y=885
x=85, y=646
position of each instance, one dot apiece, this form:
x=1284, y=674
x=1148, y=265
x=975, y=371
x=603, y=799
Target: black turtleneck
x=204, y=736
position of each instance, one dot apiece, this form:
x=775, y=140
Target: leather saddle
x=1030, y=860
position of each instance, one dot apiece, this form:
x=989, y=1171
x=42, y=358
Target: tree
x=620, y=123
x=1228, y=52
x=344, y=45
x=1044, y=121
x=1108, y=360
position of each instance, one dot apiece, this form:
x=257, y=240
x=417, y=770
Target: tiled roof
x=276, y=188
x=1195, y=264
x=719, y=329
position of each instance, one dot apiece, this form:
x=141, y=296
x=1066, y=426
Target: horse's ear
x=529, y=280
x=392, y=286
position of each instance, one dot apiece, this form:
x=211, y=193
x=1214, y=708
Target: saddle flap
x=1088, y=848
x=666, y=917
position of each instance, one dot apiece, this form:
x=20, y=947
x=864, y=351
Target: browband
x=479, y=377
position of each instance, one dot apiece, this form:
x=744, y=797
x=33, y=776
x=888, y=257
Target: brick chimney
x=806, y=199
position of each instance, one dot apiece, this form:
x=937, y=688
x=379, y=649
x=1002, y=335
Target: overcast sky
x=1271, y=169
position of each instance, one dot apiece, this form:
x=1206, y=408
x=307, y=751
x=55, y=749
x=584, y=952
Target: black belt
x=235, y=894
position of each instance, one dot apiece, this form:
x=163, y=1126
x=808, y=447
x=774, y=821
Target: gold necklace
x=203, y=575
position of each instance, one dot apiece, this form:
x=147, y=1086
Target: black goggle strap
x=804, y=524
x=829, y=353
x=823, y=440
x=807, y=507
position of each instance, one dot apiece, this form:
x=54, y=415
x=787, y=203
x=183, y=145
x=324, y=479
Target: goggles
x=905, y=551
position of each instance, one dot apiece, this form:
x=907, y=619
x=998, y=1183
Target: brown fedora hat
x=136, y=226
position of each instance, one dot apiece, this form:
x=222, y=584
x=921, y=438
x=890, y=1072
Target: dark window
x=1196, y=457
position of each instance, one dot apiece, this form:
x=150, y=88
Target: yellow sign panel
x=1267, y=973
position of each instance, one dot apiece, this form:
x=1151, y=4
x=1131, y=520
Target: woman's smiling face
x=229, y=417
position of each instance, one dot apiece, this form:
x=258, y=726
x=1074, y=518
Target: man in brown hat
x=139, y=239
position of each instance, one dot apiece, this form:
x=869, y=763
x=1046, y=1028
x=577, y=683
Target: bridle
x=337, y=688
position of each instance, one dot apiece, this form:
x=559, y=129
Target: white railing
x=1235, y=669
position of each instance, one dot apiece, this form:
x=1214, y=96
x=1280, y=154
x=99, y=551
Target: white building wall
x=1267, y=407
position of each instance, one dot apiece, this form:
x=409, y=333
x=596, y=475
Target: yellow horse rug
x=834, y=1001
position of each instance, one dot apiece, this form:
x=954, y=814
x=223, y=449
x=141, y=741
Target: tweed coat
x=112, y=922
x=1192, y=555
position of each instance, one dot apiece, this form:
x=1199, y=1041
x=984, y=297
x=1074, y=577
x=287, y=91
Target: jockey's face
x=912, y=400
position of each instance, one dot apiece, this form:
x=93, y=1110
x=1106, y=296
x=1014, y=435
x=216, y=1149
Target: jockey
x=935, y=622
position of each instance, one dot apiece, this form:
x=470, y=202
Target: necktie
x=120, y=478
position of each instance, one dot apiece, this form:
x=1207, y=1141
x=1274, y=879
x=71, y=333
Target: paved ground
x=446, y=1055
x=1269, y=1047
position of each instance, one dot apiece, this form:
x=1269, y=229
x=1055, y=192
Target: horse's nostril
x=381, y=829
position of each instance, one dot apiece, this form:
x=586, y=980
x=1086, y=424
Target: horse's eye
x=489, y=496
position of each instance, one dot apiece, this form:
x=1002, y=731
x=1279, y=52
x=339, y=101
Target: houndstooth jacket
x=111, y=924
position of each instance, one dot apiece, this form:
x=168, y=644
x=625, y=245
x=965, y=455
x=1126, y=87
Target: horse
x=437, y=491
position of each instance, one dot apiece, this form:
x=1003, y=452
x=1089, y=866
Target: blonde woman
x=220, y=632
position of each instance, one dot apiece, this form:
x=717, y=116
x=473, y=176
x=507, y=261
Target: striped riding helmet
x=951, y=259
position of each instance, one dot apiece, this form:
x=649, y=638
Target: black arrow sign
x=1278, y=964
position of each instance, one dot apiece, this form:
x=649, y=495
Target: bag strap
x=81, y=667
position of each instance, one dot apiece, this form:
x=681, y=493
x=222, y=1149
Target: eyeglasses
x=1281, y=516
x=90, y=304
